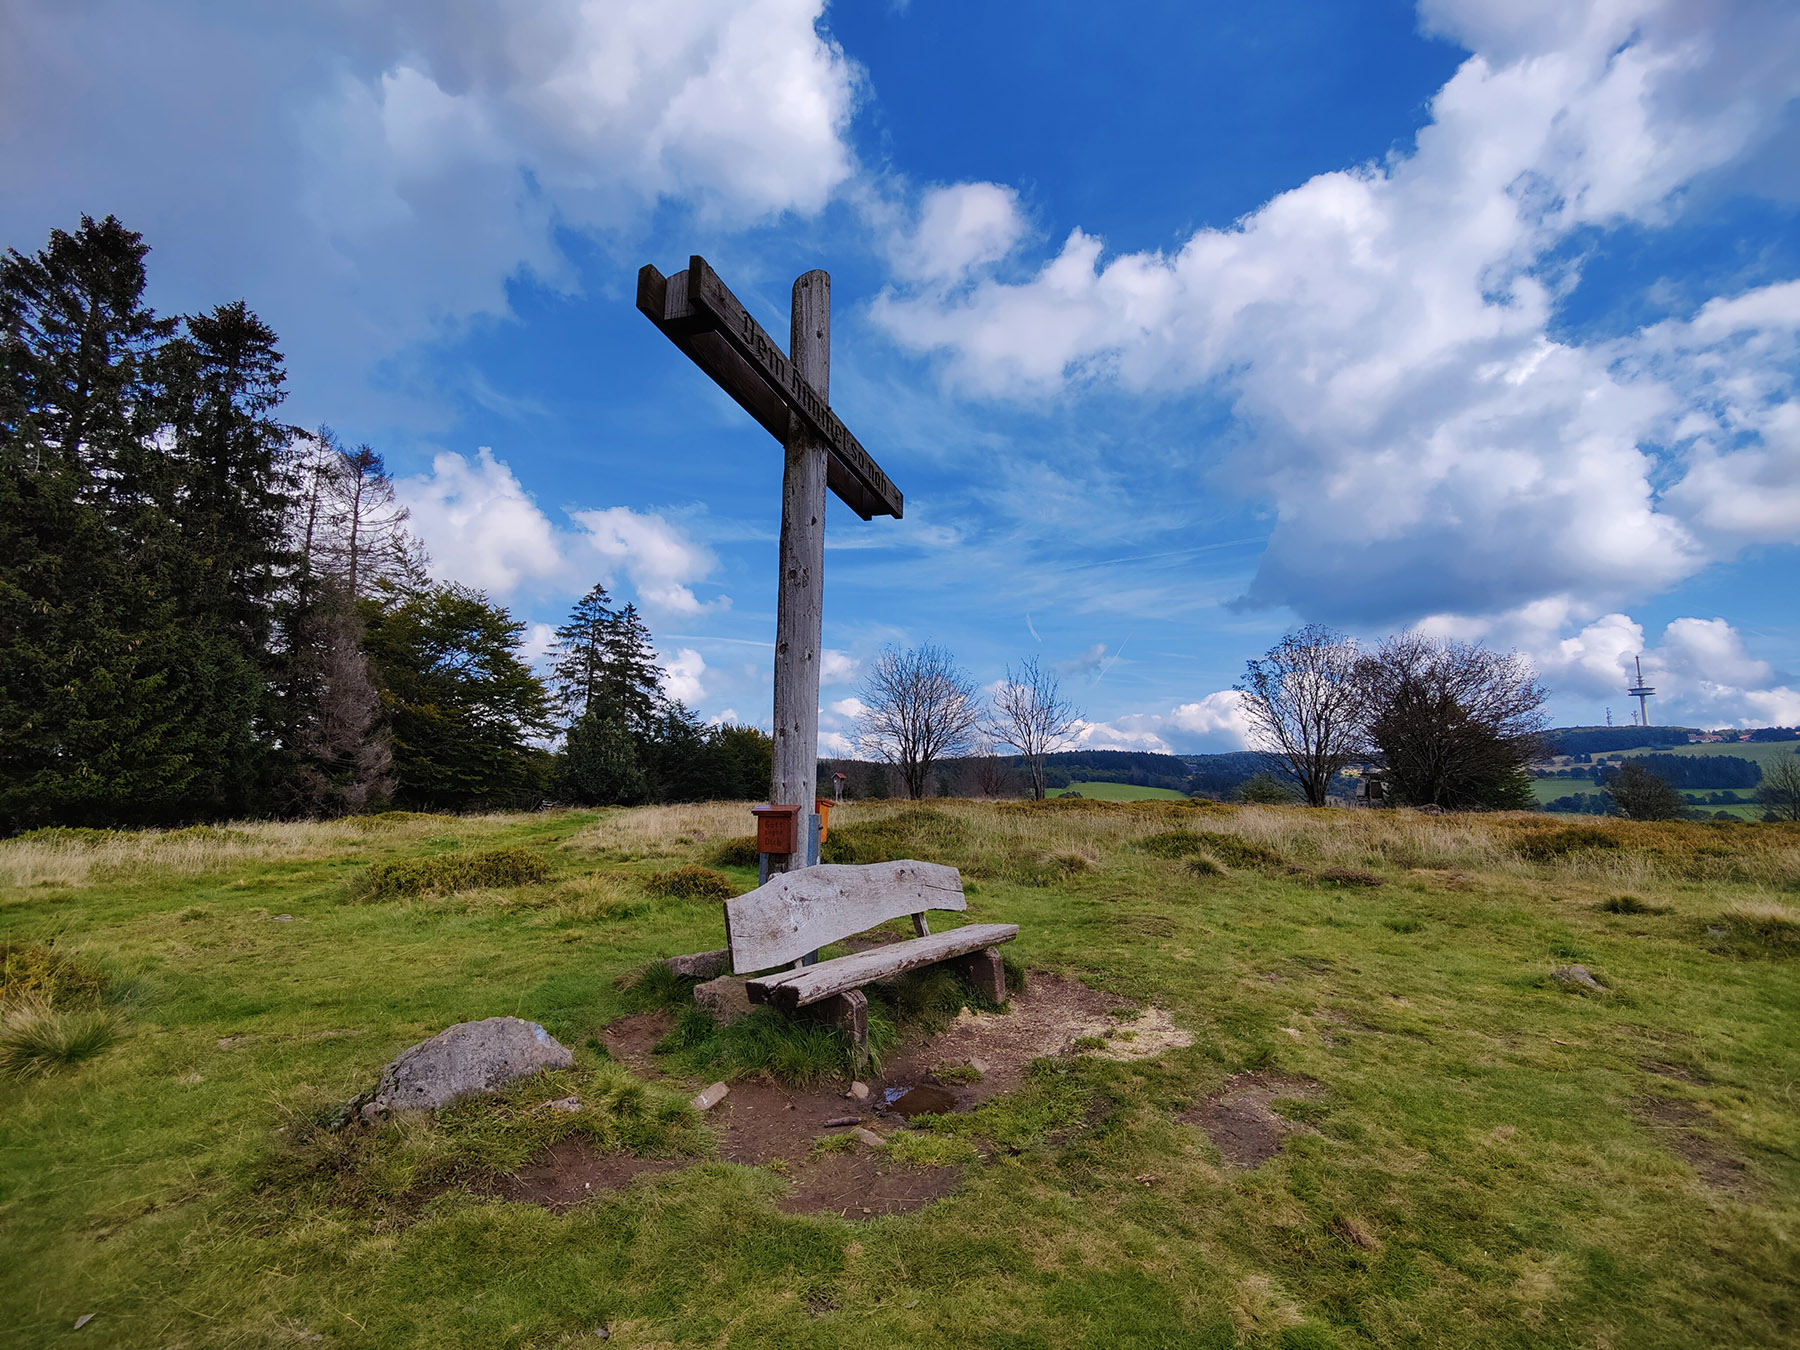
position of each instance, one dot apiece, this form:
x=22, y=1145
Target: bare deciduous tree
x=918, y=707
x=351, y=525
x=1780, y=790
x=1304, y=702
x=1031, y=716
x=1455, y=723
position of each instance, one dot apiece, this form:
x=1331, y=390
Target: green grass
x=1119, y=792
x=1486, y=1162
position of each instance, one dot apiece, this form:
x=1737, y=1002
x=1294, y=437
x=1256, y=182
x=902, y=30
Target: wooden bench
x=787, y=920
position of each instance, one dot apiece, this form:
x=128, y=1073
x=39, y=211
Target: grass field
x=1120, y=792
x=1486, y=1158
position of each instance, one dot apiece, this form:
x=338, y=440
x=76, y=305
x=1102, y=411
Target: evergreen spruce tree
x=581, y=649
x=94, y=723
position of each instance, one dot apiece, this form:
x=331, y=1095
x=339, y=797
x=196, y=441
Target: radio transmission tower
x=1641, y=692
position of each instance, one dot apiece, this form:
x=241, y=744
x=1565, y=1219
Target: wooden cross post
x=788, y=395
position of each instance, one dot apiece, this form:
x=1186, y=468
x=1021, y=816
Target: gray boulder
x=467, y=1058
x=1573, y=977
x=725, y=999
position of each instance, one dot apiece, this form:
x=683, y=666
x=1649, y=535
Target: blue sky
x=1178, y=324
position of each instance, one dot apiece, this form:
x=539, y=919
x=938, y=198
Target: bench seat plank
x=792, y=989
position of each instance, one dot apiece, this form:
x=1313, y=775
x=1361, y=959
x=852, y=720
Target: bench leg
x=850, y=1010
x=987, y=973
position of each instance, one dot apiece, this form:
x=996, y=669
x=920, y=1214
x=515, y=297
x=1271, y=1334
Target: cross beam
x=696, y=311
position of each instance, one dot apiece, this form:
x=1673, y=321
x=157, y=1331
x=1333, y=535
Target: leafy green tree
x=1455, y=723
x=1641, y=795
x=1265, y=789
x=599, y=763
x=463, y=706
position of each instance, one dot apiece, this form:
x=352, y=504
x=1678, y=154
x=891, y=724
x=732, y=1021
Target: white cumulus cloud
x=372, y=175
x=484, y=529
x=1426, y=441
x=681, y=676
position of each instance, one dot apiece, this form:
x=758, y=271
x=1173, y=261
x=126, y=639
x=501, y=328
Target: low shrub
x=1202, y=866
x=36, y=970
x=1172, y=844
x=1348, y=876
x=453, y=872
x=1236, y=851
x=1552, y=845
x=74, y=835
x=1762, y=928
x=691, y=882
x=1630, y=904
x=38, y=1039
x=739, y=852
x=916, y=832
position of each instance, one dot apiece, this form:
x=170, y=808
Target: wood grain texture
x=707, y=292
x=790, y=989
x=799, y=912
x=800, y=598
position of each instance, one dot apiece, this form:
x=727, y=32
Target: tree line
x=206, y=612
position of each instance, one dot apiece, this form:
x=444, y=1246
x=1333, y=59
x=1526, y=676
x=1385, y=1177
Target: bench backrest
x=799, y=912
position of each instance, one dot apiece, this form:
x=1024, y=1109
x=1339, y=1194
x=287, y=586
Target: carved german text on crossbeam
x=698, y=312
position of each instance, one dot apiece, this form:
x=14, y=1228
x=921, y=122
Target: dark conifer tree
x=92, y=715
x=581, y=652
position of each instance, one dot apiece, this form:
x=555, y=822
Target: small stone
x=83, y=1320
x=1293, y=1031
x=1715, y=930
x=702, y=965
x=859, y=1092
x=710, y=1098
x=283, y=918
x=370, y=1113
x=1580, y=975
x=870, y=1138
x=724, y=1000
x=562, y=1104
x=837, y=1121
x=979, y=1065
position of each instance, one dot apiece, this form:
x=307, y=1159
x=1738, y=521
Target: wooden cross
x=787, y=394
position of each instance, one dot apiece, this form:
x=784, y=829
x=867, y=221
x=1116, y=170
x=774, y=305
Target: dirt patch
x=570, y=1172
x=864, y=1185
x=762, y=1121
x=631, y=1039
x=1679, y=1126
x=1048, y=1017
x=1241, y=1122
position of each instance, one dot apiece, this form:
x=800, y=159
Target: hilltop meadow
x=1465, y=1146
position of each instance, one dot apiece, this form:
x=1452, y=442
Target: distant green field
x=1763, y=752
x=1119, y=792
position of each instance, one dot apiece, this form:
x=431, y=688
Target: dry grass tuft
x=38, y=1039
